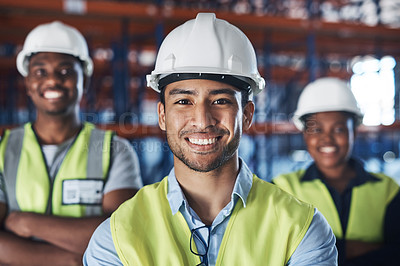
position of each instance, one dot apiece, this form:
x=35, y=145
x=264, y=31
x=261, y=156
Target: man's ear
x=248, y=112
x=27, y=87
x=86, y=84
x=161, y=115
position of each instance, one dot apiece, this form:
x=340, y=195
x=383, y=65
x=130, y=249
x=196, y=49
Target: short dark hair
x=82, y=63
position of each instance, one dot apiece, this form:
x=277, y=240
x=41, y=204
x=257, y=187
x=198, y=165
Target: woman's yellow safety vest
x=265, y=232
x=367, y=208
x=77, y=187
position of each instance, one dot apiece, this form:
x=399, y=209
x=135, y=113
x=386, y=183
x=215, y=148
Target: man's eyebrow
x=182, y=91
x=223, y=91
x=66, y=63
x=42, y=63
x=36, y=64
x=177, y=91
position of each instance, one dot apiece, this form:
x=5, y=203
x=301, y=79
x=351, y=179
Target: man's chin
x=57, y=112
x=204, y=165
x=202, y=168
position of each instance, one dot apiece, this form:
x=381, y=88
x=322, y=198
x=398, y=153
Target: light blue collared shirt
x=178, y=202
x=316, y=248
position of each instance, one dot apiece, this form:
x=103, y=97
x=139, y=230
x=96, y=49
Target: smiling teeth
x=203, y=141
x=52, y=94
x=328, y=149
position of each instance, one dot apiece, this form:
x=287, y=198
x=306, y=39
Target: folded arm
x=386, y=253
x=61, y=237
x=318, y=245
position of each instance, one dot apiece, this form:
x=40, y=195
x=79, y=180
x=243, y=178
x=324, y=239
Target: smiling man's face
x=204, y=121
x=55, y=82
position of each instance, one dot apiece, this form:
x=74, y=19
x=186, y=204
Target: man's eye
x=182, y=101
x=222, y=101
x=39, y=72
x=66, y=72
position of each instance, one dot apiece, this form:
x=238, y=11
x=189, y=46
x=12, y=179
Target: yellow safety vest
x=266, y=232
x=28, y=185
x=367, y=207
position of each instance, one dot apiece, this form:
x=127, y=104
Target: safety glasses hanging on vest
x=196, y=240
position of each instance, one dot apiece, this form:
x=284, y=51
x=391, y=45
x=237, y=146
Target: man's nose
x=52, y=79
x=202, y=116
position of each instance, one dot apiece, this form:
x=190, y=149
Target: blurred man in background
x=59, y=177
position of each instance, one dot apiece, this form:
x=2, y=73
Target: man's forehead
x=52, y=55
x=197, y=86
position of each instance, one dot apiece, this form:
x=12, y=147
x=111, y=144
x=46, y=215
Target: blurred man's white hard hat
x=55, y=37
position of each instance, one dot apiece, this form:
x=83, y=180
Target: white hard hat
x=324, y=95
x=209, y=48
x=55, y=37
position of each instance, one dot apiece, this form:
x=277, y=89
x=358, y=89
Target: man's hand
x=18, y=223
x=355, y=248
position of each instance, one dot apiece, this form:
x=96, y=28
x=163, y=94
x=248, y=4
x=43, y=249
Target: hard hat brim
x=23, y=60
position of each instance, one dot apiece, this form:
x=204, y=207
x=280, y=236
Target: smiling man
x=210, y=210
x=362, y=208
x=59, y=177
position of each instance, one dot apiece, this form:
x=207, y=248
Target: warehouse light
x=389, y=157
x=373, y=86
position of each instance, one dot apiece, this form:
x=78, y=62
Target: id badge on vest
x=82, y=191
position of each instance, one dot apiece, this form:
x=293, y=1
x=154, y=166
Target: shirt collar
x=241, y=189
x=362, y=176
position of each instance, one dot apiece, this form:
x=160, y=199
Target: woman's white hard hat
x=325, y=95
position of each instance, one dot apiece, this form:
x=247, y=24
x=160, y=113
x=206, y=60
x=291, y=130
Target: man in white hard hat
x=210, y=210
x=362, y=208
x=59, y=177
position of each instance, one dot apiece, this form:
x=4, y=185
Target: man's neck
x=56, y=130
x=207, y=192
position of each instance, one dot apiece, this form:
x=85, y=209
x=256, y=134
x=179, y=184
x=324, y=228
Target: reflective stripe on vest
x=28, y=184
x=367, y=207
x=269, y=229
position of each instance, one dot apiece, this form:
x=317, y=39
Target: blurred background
x=296, y=42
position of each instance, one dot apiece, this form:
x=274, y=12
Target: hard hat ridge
x=55, y=37
x=207, y=45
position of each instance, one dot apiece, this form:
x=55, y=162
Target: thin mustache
x=203, y=131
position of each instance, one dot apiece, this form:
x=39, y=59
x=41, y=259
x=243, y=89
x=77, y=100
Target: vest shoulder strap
x=11, y=162
x=99, y=150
